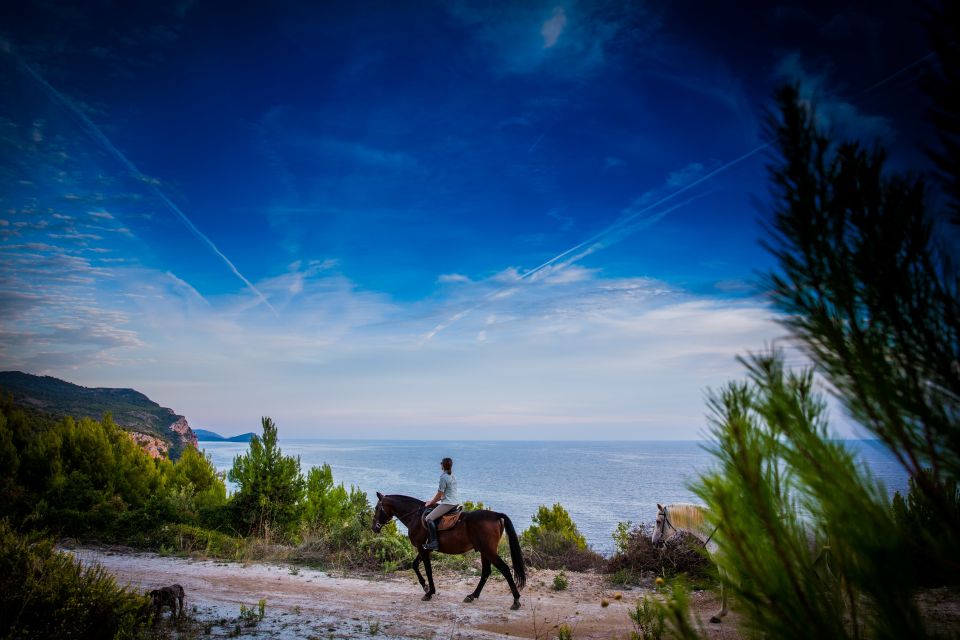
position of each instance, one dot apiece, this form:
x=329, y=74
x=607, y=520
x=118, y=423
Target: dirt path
x=303, y=603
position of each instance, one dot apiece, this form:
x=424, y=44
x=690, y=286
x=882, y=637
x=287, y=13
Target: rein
x=400, y=518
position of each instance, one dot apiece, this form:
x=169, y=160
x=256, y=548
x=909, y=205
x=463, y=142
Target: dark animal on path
x=171, y=596
x=475, y=530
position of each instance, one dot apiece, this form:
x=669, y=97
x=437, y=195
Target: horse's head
x=382, y=514
x=660, y=530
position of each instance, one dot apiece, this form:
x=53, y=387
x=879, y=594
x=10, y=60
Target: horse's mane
x=405, y=499
x=684, y=515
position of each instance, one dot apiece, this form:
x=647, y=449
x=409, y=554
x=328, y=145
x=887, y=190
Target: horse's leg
x=484, y=574
x=504, y=568
x=718, y=616
x=416, y=570
x=429, y=569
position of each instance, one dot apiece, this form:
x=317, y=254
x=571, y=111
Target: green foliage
x=553, y=541
x=331, y=506
x=649, y=620
x=921, y=521
x=806, y=539
x=564, y=632
x=196, y=480
x=866, y=288
x=87, y=478
x=474, y=506
x=270, y=492
x=621, y=537
x=809, y=544
x=553, y=525
x=560, y=582
x=48, y=594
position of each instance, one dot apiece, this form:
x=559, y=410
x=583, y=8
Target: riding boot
x=432, y=532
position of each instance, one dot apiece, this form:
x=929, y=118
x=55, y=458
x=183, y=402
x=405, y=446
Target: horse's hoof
x=468, y=599
x=716, y=619
x=515, y=605
x=426, y=597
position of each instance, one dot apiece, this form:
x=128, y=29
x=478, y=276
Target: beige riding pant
x=439, y=510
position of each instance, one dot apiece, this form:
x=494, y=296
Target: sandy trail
x=304, y=603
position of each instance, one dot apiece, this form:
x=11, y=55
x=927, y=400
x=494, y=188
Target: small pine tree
x=269, y=498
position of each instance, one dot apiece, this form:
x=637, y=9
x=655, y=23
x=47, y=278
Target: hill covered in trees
x=203, y=435
x=157, y=429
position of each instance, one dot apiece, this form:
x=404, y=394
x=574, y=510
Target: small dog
x=167, y=597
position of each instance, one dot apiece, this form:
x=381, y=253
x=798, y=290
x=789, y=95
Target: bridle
x=377, y=525
x=666, y=521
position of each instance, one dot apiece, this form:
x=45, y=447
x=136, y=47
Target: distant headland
x=204, y=435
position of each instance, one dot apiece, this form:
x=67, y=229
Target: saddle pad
x=449, y=521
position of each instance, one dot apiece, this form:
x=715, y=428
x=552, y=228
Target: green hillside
x=130, y=409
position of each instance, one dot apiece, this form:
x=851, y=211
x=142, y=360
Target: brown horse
x=477, y=530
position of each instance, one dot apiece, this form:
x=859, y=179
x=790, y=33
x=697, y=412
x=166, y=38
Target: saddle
x=448, y=521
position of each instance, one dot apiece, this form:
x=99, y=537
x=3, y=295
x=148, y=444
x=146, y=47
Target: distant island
x=209, y=436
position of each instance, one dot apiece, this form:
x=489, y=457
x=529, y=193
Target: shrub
x=649, y=620
x=270, y=487
x=554, y=542
x=636, y=555
x=553, y=521
x=919, y=521
x=48, y=594
x=560, y=582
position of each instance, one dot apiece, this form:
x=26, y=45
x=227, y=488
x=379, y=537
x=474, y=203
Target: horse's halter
x=666, y=522
x=377, y=524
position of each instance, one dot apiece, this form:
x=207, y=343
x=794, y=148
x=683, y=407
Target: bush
x=922, y=526
x=48, y=594
x=554, y=542
x=649, y=620
x=560, y=582
x=636, y=555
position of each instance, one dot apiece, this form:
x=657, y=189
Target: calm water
x=599, y=483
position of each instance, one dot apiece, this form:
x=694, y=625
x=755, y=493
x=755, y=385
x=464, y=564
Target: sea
x=599, y=483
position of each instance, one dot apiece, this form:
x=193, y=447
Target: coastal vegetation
x=130, y=409
x=46, y=594
x=810, y=545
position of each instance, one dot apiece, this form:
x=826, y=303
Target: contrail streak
x=595, y=244
x=102, y=139
x=636, y=214
x=895, y=74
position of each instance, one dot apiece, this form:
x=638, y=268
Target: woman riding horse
x=447, y=498
x=479, y=530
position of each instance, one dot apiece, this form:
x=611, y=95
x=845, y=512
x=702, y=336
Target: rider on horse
x=447, y=498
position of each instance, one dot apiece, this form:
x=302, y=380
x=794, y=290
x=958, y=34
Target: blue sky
x=451, y=219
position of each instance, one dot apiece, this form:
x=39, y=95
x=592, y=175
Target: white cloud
x=452, y=278
x=553, y=27
x=833, y=112
x=685, y=176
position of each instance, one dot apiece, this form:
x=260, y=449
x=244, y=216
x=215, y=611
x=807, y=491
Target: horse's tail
x=516, y=555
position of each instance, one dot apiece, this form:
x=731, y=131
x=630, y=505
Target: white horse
x=692, y=519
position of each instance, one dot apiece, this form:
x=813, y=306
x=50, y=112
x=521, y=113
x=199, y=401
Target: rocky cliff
x=157, y=429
